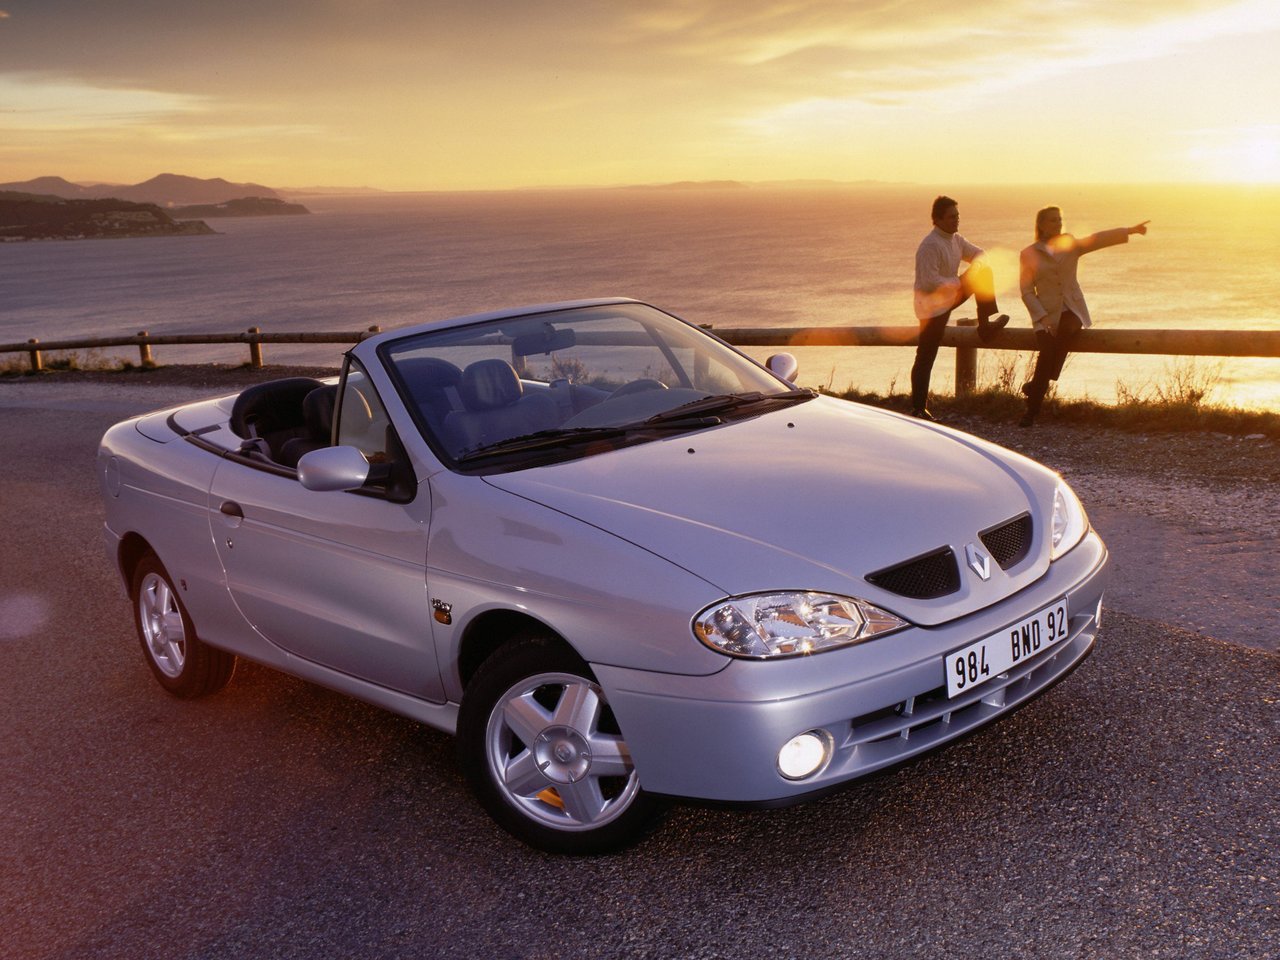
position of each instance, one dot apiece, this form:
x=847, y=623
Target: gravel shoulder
x=1128, y=814
x=1191, y=520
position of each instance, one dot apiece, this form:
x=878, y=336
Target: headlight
x=1069, y=521
x=790, y=624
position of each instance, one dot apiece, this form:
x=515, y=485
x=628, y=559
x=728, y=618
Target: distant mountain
x=812, y=184
x=693, y=185
x=172, y=189
x=50, y=187
x=295, y=192
x=168, y=189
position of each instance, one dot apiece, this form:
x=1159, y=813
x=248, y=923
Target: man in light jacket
x=939, y=290
x=1052, y=294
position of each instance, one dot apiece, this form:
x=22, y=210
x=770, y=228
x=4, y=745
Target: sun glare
x=1260, y=158
x=1244, y=156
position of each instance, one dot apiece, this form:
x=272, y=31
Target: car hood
x=812, y=497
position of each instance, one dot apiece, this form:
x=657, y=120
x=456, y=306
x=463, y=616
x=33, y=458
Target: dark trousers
x=977, y=282
x=1053, y=354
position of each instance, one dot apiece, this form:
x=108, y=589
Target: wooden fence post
x=255, y=351
x=37, y=361
x=144, y=351
x=966, y=363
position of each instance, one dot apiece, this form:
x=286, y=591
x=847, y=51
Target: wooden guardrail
x=144, y=341
x=963, y=337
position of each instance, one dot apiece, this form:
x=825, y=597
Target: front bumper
x=716, y=738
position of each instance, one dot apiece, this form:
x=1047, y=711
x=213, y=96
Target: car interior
x=280, y=420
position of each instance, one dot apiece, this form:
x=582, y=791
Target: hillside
x=167, y=189
x=52, y=187
x=25, y=216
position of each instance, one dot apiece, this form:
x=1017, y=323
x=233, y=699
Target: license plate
x=1007, y=648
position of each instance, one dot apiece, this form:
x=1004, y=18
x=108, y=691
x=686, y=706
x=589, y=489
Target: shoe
x=1027, y=420
x=923, y=414
x=989, y=328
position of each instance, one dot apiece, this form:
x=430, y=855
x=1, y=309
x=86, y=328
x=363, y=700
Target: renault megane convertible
x=623, y=562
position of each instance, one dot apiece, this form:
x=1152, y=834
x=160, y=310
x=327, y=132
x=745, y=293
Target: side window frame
x=391, y=478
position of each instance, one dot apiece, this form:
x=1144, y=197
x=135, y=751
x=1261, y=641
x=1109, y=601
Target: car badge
x=978, y=561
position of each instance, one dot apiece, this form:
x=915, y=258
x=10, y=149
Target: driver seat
x=495, y=407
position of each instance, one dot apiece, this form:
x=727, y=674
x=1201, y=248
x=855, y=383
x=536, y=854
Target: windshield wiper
x=726, y=402
x=702, y=412
x=540, y=440
x=559, y=436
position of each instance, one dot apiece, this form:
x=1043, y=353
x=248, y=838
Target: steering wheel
x=637, y=386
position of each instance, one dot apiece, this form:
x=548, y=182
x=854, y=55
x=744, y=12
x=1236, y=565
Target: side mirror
x=333, y=468
x=783, y=365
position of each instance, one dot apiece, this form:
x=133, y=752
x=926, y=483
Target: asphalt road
x=1131, y=812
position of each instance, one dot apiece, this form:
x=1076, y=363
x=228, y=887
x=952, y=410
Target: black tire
x=179, y=661
x=572, y=788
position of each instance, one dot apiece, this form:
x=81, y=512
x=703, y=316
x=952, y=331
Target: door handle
x=231, y=509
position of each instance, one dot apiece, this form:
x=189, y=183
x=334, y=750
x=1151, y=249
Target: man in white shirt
x=940, y=288
x=1051, y=291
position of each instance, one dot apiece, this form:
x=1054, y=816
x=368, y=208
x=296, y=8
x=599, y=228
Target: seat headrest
x=428, y=372
x=427, y=378
x=317, y=410
x=489, y=385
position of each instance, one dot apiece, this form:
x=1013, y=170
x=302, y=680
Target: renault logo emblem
x=978, y=561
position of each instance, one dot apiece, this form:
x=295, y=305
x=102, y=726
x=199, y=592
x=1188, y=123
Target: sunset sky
x=426, y=95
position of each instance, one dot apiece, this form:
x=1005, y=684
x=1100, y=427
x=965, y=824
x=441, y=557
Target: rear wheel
x=543, y=753
x=182, y=664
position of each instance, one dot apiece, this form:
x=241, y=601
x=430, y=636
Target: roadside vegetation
x=1180, y=401
x=57, y=361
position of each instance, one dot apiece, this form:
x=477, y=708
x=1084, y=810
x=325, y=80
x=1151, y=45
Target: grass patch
x=55, y=361
x=1181, y=401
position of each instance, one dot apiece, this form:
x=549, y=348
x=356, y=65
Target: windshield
x=574, y=374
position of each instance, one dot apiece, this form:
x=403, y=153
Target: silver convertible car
x=621, y=561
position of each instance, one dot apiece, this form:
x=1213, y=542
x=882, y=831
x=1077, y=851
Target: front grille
x=924, y=578
x=1009, y=542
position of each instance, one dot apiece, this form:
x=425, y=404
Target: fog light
x=805, y=755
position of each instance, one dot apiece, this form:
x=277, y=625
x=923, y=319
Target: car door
x=337, y=578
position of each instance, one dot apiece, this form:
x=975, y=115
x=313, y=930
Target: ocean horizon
x=745, y=256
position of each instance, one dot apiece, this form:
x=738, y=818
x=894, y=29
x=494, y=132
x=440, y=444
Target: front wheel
x=544, y=755
x=182, y=664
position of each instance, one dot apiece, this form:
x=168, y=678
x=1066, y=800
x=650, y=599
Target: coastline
x=767, y=258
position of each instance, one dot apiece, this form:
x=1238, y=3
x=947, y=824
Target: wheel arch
x=133, y=547
x=494, y=629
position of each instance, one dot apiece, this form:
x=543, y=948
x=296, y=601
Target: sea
x=729, y=256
